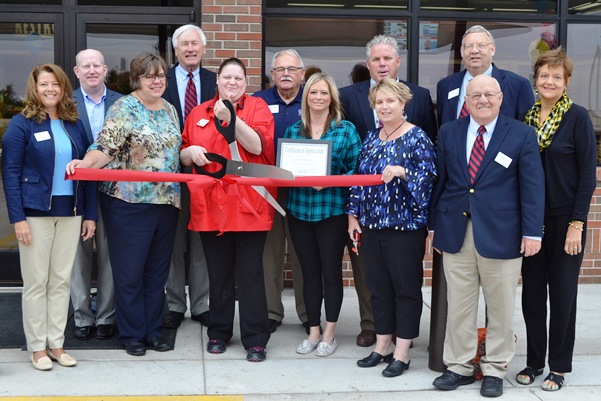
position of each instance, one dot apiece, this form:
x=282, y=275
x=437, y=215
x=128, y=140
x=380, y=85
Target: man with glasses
x=477, y=51
x=93, y=99
x=383, y=61
x=188, y=85
x=284, y=100
x=486, y=211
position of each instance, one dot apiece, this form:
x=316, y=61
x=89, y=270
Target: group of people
x=498, y=167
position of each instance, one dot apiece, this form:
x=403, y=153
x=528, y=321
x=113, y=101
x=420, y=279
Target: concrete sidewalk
x=189, y=370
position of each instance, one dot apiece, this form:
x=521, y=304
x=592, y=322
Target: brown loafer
x=366, y=338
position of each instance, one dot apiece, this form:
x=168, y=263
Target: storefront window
x=339, y=4
x=507, y=6
x=585, y=86
x=144, y=3
x=335, y=50
x=584, y=7
x=517, y=47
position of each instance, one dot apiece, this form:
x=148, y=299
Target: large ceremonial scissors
x=236, y=166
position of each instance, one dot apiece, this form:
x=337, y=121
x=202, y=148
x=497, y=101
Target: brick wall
x=234, y=28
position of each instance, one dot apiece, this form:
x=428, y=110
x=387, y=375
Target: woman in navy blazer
x=45, y=209
x=567, y=147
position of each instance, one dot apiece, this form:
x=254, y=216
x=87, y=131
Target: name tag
x=42, y=136
x=274, y=108
x=503, y=159
x=453, y=93
x=202, y=122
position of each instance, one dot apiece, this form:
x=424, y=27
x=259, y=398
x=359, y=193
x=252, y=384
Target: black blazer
x=208, y=86
x=419, y=110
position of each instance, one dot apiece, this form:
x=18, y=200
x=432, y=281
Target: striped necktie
x=477, y=154
x=191, y=100
x=464, y=111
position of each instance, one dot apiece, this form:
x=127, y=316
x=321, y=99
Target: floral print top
x=400, y=204
x=144, y=140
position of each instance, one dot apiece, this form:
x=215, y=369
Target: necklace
x=393, y=131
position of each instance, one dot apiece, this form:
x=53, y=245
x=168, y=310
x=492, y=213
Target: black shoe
x=173, y=320
x=451, y=380
x=216, y=347
x=256, y=354
x=158, y=344
x=135, y=348
x=273, y=325
x=395, y=368
x=491, y=386
x=83, y=333
x=373, y=359
x=204, y=318
x=104, y=331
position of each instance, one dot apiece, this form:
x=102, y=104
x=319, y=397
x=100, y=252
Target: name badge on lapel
x=503, y=159
x=42, y=136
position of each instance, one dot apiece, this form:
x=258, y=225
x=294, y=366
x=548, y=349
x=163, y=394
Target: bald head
x=484, y=98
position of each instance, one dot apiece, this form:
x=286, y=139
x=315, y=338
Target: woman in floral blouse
x=392, y=218
x=141, y=132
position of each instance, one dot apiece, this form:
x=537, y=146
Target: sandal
x=531, y=373
x=555, y=378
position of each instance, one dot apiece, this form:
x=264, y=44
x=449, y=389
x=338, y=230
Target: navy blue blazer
x=111, y=97
x=419, y=110
x=518, y=96
x=507, y=199
x=208, y=86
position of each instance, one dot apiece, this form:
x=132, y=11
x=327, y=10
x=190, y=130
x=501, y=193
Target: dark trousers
x=140, y=240
x=226, y=253
x=554, y=269
x=320, y=248
x=394, y=274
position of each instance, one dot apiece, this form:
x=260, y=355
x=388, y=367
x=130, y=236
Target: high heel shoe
x=396, y=368
x=373, y=359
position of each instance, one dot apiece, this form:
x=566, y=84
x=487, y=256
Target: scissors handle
x=215, y=158
x=229, y=132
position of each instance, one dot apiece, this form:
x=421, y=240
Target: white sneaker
x=306, y=347
x=325, y=349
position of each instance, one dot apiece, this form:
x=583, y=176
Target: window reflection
x=336, y=49
x=584, y=7
x=585, y=86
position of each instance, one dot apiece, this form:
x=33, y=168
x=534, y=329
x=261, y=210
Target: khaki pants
x=46, y=270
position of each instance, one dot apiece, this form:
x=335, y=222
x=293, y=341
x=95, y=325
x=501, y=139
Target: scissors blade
x=244, y=169
x=269, y=198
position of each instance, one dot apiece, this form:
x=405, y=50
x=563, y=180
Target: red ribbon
x=94, y=174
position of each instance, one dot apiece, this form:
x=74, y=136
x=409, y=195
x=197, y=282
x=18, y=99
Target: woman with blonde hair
x=46, y=209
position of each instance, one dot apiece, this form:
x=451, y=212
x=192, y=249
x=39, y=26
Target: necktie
x=477, y=154
x=464, y=111
x=191, y=98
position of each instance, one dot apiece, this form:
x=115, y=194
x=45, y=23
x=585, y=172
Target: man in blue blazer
x=189, y=43
x=486, y=211
x=383, y=61
x=477, y=51
x=93, y=99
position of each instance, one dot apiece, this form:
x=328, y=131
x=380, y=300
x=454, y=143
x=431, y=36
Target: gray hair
x=478, y=29
x=289, y=52
x=185, y=28
x=78, y=56
x=382, y=40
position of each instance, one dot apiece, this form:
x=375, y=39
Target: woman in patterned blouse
x=316, y=215
x=141, y=132
x=392, y=218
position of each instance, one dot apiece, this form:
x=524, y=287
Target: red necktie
x=191, y=100
x=464, y=111
x=477, y=154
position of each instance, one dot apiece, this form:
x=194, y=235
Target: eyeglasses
x=476, y=96
x=291, y=70
x=152, y=77
x=480, y=46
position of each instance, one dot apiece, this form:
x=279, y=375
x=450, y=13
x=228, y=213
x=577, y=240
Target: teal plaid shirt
x=311, y=205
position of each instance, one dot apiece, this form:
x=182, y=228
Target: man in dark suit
x=477, y=51
x=189, y=43
x=486, y=211
x=93, y=99
x=383, y=61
